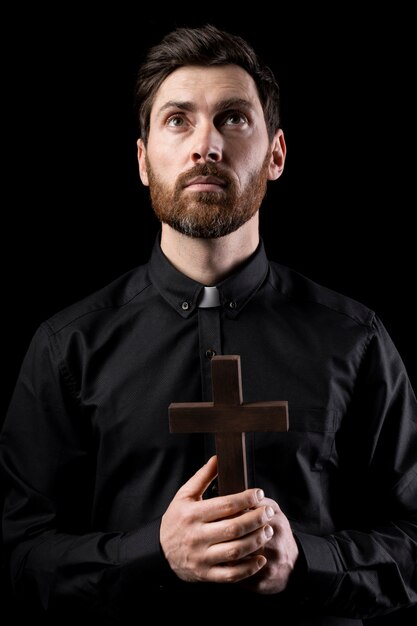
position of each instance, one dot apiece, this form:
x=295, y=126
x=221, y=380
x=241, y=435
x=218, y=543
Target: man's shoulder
x=102, y=303
x=298, y=287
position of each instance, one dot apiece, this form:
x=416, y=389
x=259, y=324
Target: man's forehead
x=216, y=83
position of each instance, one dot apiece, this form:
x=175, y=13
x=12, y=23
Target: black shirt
x=90, y=464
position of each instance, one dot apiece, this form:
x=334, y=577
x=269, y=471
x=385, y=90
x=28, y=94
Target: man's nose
x=207, y=144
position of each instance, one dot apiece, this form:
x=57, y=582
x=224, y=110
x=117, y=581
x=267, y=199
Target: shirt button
x=210, y=353
x=233, y=304
x=185, y=306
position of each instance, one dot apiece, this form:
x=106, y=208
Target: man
x=107, y=513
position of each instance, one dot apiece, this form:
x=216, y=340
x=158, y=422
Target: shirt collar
x=184, y=294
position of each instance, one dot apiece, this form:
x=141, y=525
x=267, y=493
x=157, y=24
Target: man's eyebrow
x=222, y=105
x=234, y=103
x=184, y=105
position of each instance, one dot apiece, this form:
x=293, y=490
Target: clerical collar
x=210, y=297
x=186, y=295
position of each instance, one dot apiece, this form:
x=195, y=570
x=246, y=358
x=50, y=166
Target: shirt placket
x=210, y=344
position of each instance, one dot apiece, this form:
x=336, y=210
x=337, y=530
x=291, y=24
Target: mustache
x=203, y=169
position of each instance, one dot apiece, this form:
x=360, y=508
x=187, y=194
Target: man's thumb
x=197, y=484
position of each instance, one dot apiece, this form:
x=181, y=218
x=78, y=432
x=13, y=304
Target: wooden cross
x=228, y=417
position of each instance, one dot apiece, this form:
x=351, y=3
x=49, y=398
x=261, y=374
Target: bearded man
x=107, y=512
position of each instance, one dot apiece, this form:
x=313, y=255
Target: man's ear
x=143, y=170
x=278, y=154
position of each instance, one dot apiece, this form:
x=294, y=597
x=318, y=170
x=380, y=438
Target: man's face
x=208, y=157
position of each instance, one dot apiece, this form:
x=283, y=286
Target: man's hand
x=216, y=540
x=281, y=553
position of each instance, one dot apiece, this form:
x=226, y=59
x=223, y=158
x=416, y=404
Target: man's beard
x=208, y=215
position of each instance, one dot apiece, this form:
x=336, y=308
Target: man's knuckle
x=233, y=553
x=231, y=577
x=233, y=529
x=227, y=506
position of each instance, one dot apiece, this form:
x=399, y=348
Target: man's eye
x=234, y=119
x=175, y=120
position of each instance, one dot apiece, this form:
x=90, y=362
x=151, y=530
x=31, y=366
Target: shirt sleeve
x=48, y=473
x=369, y=566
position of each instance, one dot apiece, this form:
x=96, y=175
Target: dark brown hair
x=205, y=46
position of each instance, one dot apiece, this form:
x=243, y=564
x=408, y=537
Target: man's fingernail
x=261, y=560
x=269, y=512
x=268, y=531
x=260, y=495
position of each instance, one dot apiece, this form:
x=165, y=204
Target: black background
x=75, y=215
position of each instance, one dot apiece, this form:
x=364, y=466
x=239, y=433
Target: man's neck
x=208, y=261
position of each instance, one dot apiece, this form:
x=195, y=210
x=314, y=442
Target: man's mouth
x=206, y=183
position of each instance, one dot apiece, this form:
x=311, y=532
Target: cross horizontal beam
x=229, y=418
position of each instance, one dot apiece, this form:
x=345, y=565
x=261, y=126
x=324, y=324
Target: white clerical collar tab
x=209, y=298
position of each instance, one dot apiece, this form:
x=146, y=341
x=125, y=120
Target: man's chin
x=199, y=231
